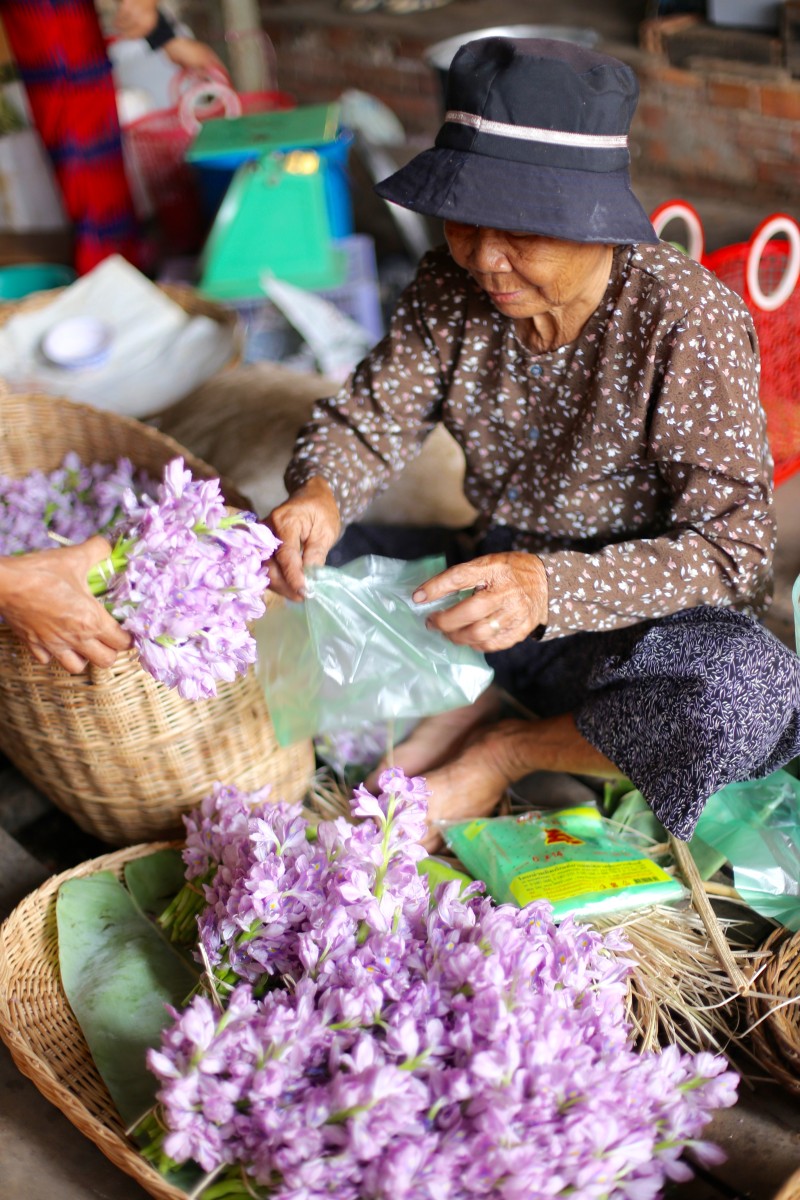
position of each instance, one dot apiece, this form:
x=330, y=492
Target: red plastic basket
x=158, y=142
x=765, y=274
x=765, y=271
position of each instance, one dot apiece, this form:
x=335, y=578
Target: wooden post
x=250, y=51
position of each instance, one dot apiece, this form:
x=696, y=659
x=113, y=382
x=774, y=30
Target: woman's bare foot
x=474, y=781
x=437, y=739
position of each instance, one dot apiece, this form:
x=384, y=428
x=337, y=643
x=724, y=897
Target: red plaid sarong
x=59, y=49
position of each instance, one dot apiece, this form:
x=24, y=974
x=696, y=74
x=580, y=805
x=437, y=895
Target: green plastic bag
x=358, y=651
x=571, y=857
x=756, y=826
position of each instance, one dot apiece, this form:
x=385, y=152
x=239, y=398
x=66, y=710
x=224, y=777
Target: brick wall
x=319, y=62
x=719, y=122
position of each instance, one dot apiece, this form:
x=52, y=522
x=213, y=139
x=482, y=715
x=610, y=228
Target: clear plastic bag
x=756, y=825
x=358, y=651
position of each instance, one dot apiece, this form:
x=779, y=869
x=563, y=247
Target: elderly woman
x=604, y=388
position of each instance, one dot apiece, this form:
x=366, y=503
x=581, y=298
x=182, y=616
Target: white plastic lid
x=78, y=342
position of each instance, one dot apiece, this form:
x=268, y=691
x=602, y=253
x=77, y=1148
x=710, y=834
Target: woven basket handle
x=679, y=210
x=777, y=224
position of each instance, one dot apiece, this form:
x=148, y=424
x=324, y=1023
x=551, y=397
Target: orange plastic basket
x=765, y=274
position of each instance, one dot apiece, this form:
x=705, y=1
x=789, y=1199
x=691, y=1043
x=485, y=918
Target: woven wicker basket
x=124, y=756
x=45, y=1040
x=776, y=1040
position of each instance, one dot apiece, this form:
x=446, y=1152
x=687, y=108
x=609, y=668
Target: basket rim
x=120, y=1152
x=142, y=428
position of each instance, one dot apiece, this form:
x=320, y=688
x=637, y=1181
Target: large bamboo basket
x=124, y=756
x=45, y=1040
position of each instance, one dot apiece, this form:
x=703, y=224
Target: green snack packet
x=571, y=857
x=438, y=872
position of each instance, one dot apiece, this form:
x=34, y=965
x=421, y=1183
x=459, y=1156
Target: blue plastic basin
x=215, y=175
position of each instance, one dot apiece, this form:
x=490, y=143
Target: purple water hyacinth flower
x=390, y=1045
x=186, y=580
x=73, y=502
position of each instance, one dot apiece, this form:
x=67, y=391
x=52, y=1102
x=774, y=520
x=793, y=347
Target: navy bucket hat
x=535, y=140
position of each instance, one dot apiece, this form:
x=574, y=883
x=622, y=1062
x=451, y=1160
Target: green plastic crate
x=259, y=133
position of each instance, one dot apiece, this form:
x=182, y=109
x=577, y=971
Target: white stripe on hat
x=530, y=133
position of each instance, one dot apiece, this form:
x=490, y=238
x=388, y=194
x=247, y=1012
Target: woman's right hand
x=308, y=525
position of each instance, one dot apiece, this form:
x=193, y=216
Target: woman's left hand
x=508, y=604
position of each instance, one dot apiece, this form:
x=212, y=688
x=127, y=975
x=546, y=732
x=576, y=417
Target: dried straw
x=680, y=991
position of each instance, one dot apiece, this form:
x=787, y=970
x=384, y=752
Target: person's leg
x=473, y=782
x=705, y=698
x=681, y=706
x=62, y=61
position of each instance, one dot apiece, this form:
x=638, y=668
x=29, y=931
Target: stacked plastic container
x=277, y=190
x=268, y=335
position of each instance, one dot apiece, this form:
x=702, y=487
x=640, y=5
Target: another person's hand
x=136, y=18
x=45, y=600
x=192, y=55
x=308, y=525
x=509, y=603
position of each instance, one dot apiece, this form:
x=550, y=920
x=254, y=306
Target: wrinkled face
x=524, y=274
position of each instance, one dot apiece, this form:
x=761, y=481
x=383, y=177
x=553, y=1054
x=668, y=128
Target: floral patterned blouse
x=633, y=461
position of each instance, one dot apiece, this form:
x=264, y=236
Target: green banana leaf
x=154, y=880
x=118, y=973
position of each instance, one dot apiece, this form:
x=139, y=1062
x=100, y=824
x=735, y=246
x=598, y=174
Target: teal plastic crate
x=273, y=219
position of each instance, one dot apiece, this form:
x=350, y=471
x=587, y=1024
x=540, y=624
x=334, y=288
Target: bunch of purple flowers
x=365, y=1041
x=185, y=579
x=69, y=504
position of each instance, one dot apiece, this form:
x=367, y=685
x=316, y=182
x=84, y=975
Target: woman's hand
x=45, y=599
x=194, y=56
x=509, y=602
x=308, y=525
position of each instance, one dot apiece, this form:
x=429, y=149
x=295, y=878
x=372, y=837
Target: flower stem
x=102, y=574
